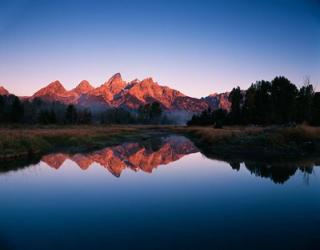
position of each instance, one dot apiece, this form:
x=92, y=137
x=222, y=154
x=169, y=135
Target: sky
x=198, y=47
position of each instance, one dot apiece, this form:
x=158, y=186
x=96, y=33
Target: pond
x=159, y=194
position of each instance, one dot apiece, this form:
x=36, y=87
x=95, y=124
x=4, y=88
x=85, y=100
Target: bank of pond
x=146, y=148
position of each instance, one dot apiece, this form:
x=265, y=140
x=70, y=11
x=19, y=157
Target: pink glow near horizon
x=198, y=49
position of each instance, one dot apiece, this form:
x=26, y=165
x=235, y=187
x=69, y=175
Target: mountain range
x=116, y=92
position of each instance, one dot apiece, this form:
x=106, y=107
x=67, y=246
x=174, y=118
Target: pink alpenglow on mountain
x=84, y=87
x=128, y=156
x=110, y=88
x=219, y=101
x=3, y=91
x=53, y=89
x=116, y=92
x=56, y=92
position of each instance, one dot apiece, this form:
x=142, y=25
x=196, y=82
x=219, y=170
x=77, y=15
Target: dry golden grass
x=15, y=134
x=255, y=142
x=211, y=135
x=23, y=141
x=304, y=131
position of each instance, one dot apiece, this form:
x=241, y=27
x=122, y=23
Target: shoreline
x=22, y=143
x=230, y=143
x=267, y=144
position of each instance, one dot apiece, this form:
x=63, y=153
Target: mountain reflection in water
x=147, y=155
x=135, y=156
x=71, y=201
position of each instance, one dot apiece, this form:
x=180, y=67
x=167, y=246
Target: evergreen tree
x=17, y=110
x=284, y=96
x=84, y=116
x=209, y=117
x=52, y=116
x=257, y=106
x=150, y=113
x=236, y=99
x=263, y=104
x=315, y=109
x=71, y=115
x=304, y=104
x=2, y=108
x=249, y=109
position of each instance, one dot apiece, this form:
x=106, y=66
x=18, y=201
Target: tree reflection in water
x=147, y=155
x=278, y=172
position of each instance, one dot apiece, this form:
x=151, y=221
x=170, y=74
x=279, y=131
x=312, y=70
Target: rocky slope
x=116, y=92
x=3, y=91
x=218, y=101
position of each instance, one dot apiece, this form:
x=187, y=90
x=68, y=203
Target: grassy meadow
x=22, y=142
x=229, y=142
x=275, y=142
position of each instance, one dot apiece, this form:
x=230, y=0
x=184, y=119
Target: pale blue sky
x=198, y=47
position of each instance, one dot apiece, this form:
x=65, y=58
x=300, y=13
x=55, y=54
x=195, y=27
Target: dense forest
x=37, y=111
x=264, y=103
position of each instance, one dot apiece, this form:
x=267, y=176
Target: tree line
x=265, y=103
x=150, y=113
x=38, y=111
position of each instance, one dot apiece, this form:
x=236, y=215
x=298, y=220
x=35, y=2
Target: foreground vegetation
x=259, y=143
x=263, y=143
x=27, y=142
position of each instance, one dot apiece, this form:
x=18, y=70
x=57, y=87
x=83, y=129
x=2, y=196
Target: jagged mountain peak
x=83, y=87
x=84, y=83
x=116, y=79
x=134, y=81
x=148, y=80
x=3, y=91
x=56, y=83
x=53, y=88
x=110, y=88
x=115, y=92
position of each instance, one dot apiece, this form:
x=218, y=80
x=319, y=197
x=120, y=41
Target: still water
x=162, y=194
